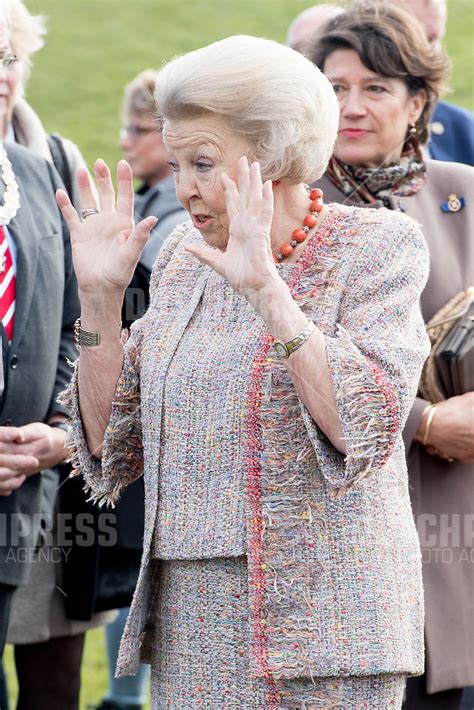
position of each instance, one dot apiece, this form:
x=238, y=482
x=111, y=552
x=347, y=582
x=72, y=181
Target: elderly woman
x=387, y=79
x=21, y=36
x=262, y=396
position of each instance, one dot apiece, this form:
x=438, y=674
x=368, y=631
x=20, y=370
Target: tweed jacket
x=333, y=554
x=442, y=493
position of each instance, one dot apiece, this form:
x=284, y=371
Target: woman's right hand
x=106, y=246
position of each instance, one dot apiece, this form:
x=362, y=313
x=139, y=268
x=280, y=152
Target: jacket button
x=14, y=362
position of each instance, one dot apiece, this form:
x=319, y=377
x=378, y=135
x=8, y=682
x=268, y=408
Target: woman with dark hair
x=387, y=79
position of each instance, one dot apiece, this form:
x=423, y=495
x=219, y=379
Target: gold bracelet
x=87, y=338
x=431, y=413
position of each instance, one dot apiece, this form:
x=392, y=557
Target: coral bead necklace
x=299, y=235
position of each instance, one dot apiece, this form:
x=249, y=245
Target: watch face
x=280, y=349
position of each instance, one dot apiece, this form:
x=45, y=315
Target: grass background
x=94, y=47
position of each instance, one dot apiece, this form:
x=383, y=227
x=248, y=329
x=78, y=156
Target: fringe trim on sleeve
x=368, y=407
x=122, y=451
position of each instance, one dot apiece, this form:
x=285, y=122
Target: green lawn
x=96, y=46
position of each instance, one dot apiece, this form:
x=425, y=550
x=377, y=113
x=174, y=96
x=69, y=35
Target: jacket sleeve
x=122, y=448
x=376, y=355
x=414, y=418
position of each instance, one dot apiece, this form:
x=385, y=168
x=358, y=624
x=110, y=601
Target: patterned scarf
x=403, y=178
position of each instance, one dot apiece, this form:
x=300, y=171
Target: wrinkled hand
x=105, y=246
x=452, y=429
x=247, y=263
x=27, y=450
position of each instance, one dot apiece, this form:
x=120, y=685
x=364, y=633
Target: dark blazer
x=452, y=134
x=35, y=365
x=442, y=493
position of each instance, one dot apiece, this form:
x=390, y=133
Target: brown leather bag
x=449, y=369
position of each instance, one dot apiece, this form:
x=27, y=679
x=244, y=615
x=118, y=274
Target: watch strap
x=66, y=426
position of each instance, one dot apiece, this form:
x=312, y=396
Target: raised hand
x=106, y=246
x=247, y=263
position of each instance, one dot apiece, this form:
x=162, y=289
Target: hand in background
x=451, y=432
x=27, y=450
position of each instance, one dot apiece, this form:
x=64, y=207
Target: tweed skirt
x=200, y=649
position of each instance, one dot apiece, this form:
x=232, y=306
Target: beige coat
x=442, y=493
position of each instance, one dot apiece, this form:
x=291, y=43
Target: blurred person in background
x=307, y=23
x=39, y=628
x=38, y=307
x=452, y=127
x=24, y=34
x=451, y=131
x=142, y=145
x=387, y=78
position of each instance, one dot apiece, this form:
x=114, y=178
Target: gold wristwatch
x=284, y=350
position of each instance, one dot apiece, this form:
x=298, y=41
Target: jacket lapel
x=153, y=375
x=154, y=371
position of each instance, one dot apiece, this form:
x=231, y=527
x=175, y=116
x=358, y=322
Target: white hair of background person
x=269, y=93
x=139, y=95
x=433, y=15
x=308, y=22
x=26, y=32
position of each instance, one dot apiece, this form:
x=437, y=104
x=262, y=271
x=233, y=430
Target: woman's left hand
x=247, y=263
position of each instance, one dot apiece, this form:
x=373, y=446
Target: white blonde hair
x=270, y=94
x=25, y=31
x=139, y=95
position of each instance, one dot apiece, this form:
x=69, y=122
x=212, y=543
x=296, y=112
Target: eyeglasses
x=7, y=59
x=134, y=133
